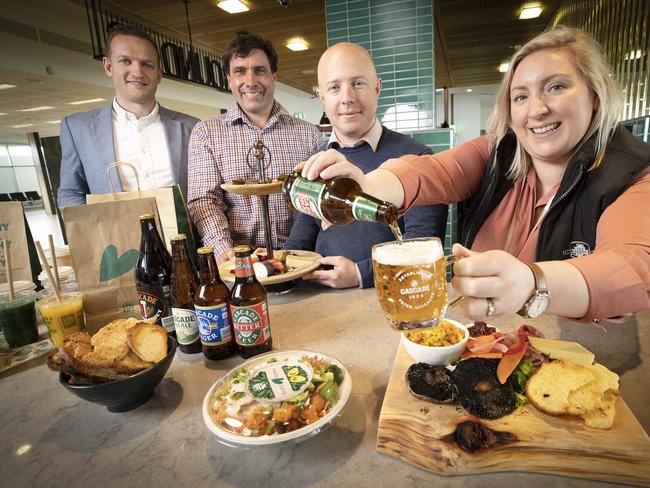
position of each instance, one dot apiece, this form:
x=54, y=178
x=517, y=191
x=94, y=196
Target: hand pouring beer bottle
x=211, y=306
x=338, y=201
x=152, y=276
x=184, y=282
x=249, y=308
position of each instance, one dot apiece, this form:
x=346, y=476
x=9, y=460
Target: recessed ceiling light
x=36, y=109
x=633, y=55
x=469, y=90
x=90, y=100
x=53, y=121
x=21, y=126
x=233, y=6
x=3, y=113
x=530, y=13
x=440, y=89
x=297, y=45
x=4, y=86
x=308, y=71
x=503, y=67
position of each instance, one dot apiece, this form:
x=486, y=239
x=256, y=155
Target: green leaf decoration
x=113, y=266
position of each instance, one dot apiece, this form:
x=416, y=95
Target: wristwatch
x=538, y=302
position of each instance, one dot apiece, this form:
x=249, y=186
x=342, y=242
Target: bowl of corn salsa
x=437, y=345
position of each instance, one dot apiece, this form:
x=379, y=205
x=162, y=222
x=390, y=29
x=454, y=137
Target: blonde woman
x=555, y=212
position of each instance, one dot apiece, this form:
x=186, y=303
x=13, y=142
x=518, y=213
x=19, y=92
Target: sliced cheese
x=567, y=350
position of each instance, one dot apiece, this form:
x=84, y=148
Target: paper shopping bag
x=104, y=241
x=14, y=228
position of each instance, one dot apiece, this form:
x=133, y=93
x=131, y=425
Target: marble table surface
x=52, y=438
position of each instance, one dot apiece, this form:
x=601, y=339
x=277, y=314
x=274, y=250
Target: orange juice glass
x=62, y=317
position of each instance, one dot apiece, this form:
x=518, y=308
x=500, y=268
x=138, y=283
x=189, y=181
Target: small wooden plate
x=253, y=188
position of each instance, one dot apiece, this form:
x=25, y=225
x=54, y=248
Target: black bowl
x=129, y=393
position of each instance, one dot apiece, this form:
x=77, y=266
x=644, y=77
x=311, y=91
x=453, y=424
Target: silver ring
x=490, y=307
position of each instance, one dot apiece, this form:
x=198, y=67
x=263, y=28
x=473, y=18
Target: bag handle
x=117, y=164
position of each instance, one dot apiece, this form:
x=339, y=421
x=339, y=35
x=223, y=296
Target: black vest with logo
x=569, y=227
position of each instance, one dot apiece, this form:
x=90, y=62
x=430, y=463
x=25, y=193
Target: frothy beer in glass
x=410, y=280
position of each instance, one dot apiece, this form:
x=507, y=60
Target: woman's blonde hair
x=590, y=62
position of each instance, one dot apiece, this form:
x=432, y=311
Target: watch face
x=537, y=305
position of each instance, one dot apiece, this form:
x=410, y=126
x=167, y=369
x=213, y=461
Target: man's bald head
x=348, y=87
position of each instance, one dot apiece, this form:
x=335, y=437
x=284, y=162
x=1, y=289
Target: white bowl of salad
x=278, y=397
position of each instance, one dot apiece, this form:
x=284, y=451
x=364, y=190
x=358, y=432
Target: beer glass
x=410, y=280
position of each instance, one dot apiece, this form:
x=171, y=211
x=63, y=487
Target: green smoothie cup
x=18, y=319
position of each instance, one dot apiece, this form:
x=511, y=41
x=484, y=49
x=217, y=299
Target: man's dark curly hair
x=119, y=29
x=243, y=43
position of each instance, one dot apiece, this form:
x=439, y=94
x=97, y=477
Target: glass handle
x=451, y=259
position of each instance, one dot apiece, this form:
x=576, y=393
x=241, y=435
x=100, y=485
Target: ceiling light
x=21, y=126
x=308, y=71
x=36, y=109
x=90, y=100
x=469, y=90
x=233, y=6
x=53, y=121
x=4, y=86
x=530, y=13
x=440, y=90
x=503, y=67
x=633, y=55
x=3, y=113
x=297, y=45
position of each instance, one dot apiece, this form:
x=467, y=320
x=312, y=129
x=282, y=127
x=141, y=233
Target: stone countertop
x=52, y=438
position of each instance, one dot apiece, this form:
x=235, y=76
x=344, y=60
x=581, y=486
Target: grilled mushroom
x=479, y=390
x=431, y=383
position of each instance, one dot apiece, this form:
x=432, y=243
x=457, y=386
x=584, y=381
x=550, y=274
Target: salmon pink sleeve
x=618, y=271
x=447, y=177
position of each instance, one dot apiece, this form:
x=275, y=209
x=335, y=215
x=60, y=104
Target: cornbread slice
x=148, y=341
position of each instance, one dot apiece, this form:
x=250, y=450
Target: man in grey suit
x=134, y=128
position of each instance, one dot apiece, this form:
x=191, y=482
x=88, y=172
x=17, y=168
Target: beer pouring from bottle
x=338, y=201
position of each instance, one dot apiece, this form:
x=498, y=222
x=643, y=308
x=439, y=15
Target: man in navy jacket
x=349, y=88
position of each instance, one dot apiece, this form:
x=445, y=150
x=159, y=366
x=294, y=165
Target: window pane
x=27, y=180
x=4, y=156
x=21, y=155
x=7, y=184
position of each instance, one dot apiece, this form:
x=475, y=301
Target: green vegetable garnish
x=337, y=372
x=238, y=395
x=330, y=392
x=518, y=380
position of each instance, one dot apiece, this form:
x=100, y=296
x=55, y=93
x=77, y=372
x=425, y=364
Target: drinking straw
x=46, y=265
x=56, y=268
x=10, y=275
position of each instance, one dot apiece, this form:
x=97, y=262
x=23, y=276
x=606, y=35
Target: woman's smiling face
x=551, y=105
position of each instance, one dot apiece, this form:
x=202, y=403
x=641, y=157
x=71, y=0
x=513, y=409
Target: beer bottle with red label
x=184, y=282
x=249, y=308
x=211, y=305
x=152, y=276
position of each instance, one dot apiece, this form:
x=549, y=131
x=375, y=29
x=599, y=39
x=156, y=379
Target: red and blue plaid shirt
x=217, y=154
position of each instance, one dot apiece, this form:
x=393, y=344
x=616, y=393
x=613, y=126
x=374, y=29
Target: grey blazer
x=87, y=149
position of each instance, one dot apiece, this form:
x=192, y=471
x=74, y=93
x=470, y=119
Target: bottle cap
x=178, y=237
x=147, y=216
x=243, y=249
x=205, y=250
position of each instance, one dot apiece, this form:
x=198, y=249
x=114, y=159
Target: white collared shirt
x=142, y=143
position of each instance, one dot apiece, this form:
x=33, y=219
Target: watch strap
x=540, y=279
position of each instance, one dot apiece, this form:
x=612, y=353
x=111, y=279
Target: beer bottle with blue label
x=184, y=283
x=338, y=201
x=249, y=308
x=152, y=276
x=211, y=304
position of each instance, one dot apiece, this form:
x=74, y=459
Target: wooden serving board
x=253, y=188
x=417, y=432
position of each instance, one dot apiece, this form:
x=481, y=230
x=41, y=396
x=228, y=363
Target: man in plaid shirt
x=218, y=148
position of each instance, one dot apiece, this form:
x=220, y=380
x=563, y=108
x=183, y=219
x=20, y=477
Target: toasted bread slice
x=78, y=337
x=602, y=417
x=76, y=350
x=549, y=388
x=131, y=364
x=110, y=343
x=148, y=341
x=590, y=397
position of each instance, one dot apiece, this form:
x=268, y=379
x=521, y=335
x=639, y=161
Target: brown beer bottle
x=338, y=201
x=184, y=282
x=152, y=276
x=211, y=306
x=249, y=308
